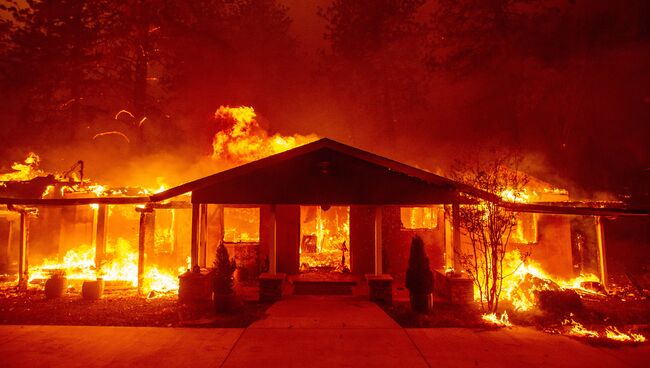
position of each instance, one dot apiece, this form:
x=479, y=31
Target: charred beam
x=177, y=205
x=574, y=210
x=602, y=255
x=73, y=201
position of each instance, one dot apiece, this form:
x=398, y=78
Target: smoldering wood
x=561, y=301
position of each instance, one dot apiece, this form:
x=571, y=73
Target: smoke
x=575, y=110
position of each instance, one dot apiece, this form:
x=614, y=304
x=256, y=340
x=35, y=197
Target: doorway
x=324, y=239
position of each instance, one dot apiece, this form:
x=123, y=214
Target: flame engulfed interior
x=325, y=238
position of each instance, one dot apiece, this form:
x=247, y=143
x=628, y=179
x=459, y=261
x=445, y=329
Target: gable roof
x=357, y=168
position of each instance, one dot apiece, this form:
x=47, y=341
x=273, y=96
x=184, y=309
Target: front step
x=306, y=284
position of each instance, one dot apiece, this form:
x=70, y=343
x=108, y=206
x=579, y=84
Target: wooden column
x=145, y=237
x=100, y=237
x=449, y=249
x=272, y=243
x=602, y=255
x=378, y=241
x=194, y=252
x=455, y=219
x=5, y=244
x=203, y=234
x=23, y=273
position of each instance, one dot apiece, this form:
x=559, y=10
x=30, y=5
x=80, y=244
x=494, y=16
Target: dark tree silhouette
x=376, y=60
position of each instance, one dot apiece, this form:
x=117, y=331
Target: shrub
x=419, y=278
x=224, y=267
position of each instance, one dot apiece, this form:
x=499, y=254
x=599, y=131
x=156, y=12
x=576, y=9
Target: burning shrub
x=419, y=278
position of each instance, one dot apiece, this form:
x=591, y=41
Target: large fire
x=243, y=140
x=523, y=278
x=24, y=171
x=120, y=267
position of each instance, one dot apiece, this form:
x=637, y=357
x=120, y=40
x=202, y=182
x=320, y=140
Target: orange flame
x=244, y=140
x=24, y=171
x=523, y=278
x=611, y=332
x=503, y=321
x=121, y=264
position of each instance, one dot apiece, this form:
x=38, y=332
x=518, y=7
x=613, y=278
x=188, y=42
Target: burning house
x=322, y=212
x=65, y=223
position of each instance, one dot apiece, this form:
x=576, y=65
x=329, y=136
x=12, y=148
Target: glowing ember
x=244, y=140
x=502, y=321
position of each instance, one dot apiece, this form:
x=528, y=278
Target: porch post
x=194, y=252
x=455, y=218
x=100, y=237
x=23, y=273
x=146, y=220
x=203, y=235
x=272, y=243
x=449, y=249
x=378, y=241
x=600, y=236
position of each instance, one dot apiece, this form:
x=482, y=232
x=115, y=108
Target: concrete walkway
x=305, y=332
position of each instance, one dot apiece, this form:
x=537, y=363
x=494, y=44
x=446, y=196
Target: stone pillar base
x=380, y=288
x=454, y=290
x=271, y=286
